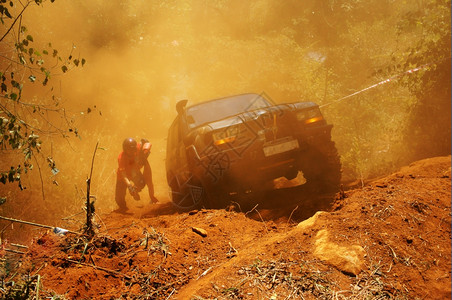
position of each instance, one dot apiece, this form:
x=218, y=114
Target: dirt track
x=390, y=239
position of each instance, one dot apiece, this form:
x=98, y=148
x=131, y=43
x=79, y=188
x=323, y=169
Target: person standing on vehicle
x=131, y=160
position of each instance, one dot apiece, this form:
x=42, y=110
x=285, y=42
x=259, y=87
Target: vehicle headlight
x=309, y=116
x=225, y=135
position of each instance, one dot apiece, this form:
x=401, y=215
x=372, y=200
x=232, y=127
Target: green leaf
x=11, y=174
x=45, y=52
x=83, y=62
x=64, y=69
x=13, y=96
x=76, y=62
x=6, y=12
x=30, y=38
x=15, y=84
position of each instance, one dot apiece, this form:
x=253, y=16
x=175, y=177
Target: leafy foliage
x=24, y=64
x=427, y=131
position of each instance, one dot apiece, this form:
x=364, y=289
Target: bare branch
x=15, y=20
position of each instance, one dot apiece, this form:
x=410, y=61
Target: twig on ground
x=254, y=208
x=240, y=208
x=160, y=288
x=172, y=292
x=394, y=256
x=290, y=217
x=390, y=268
x=39, y=269
x=19, y=246
x=99, y=268
x=14, y=251
x=205, y=272
x=232, y=251
x=35, y=224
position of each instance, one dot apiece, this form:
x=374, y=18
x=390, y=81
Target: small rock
x=199, y=231
x=348, y=259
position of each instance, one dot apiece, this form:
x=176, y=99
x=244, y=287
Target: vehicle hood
x=247, y=116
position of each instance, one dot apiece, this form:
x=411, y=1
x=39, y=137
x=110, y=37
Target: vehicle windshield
x=218, y=109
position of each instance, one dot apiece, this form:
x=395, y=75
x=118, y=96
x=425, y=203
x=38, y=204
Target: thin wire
x=423, y=67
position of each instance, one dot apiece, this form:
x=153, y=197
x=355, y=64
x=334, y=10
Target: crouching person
x=134, y=172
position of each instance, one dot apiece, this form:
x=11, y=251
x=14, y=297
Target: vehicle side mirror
x=190, y=119
x=180, y=106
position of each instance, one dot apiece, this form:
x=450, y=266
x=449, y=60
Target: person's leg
x=120, y=194
x=147, y=174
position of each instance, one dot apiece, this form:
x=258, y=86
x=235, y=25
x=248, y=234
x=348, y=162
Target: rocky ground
x=390, y=239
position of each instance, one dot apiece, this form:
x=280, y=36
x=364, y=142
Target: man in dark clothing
x=131, y=160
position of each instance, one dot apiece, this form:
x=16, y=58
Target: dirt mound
x=390, y=239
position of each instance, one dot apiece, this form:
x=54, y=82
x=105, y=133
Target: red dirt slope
x=390, y=239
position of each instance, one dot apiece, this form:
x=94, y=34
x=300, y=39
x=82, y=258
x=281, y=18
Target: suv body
x=236, y=145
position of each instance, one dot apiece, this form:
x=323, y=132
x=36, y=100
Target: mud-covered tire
x=322, y=169
x=187, y=192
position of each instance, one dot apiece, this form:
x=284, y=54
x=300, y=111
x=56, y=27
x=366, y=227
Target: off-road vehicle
x=237, y=145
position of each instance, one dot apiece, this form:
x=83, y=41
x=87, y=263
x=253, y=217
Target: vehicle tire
x=187, y=192
x=322, y=169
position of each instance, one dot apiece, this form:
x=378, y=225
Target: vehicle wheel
x=322, y=169
x=187, y=192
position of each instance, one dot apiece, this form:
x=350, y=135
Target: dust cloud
x=144, y=56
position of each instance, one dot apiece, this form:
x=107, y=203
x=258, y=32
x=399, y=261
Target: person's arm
x=144, y=151
x=146, y=147
x=122, y=173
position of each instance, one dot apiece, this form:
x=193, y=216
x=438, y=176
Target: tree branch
x=15, y=20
